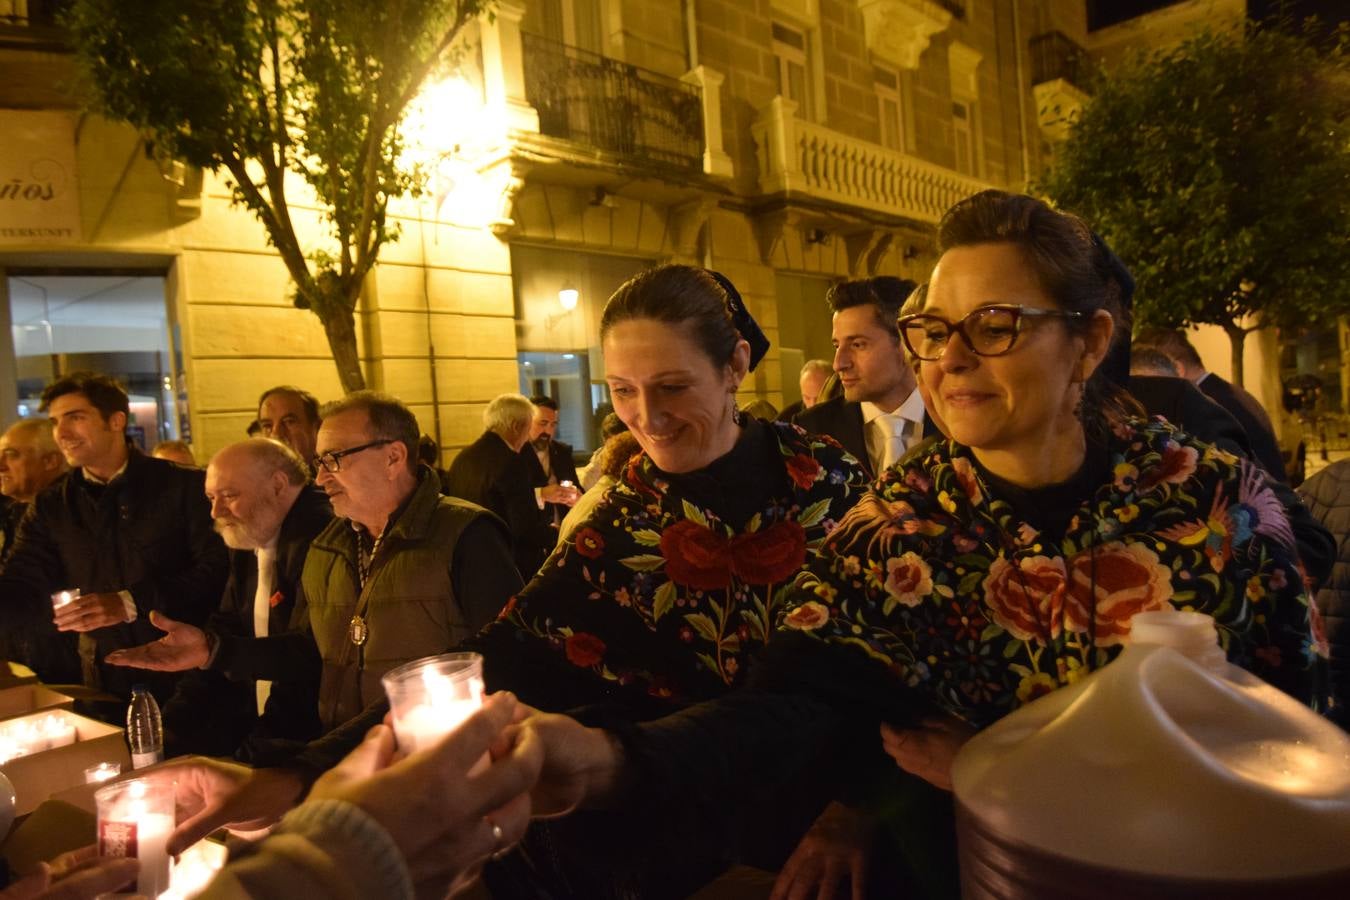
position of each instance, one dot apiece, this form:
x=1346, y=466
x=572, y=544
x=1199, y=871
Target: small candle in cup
x=431, y=697
x=104, y=771
x=135, y=819
x=62, y=598
x=58, y=730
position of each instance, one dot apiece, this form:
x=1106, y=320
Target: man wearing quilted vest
x=402, y=572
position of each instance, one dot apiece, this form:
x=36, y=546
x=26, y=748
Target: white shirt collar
x=911, y=410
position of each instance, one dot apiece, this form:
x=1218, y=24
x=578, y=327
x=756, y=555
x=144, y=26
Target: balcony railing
x=613, y=106
x=800, y=157
x=1055, y=56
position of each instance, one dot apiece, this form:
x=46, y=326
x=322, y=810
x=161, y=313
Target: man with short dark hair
x=552, y=471
x=253, y=681
x=133, y=534
x=290, y=415
x=1240, y=404
x=404, y=572
x=881, y=415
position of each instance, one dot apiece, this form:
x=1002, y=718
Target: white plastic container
x=1168, y=773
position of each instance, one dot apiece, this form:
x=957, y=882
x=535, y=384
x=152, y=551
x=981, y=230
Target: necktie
x=895, y=438
x=262, y=608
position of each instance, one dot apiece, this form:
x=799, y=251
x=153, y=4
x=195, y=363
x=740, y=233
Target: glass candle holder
x=63, y=597
x=430, y=697
x=104, y=771
x=135, y=820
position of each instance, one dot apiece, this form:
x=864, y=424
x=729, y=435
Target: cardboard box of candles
x=48, y=751
x=12, y=673
x=27, y=698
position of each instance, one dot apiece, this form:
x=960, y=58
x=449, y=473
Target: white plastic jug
x=1168, y=773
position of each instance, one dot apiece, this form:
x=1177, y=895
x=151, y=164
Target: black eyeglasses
x=987, y=331
x=332, y=460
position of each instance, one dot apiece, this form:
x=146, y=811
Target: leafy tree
x=1219, y=171
x=275, y=90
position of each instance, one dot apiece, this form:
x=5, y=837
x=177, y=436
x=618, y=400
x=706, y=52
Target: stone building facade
x=786, y=143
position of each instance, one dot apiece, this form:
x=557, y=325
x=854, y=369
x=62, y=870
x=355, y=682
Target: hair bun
x=745, y=323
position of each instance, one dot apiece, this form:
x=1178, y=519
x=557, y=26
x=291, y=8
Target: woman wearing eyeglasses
x=983, y=570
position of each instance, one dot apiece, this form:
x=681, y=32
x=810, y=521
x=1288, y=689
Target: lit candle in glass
x=135, y=820
x=58, y=731
x=431, y=697
x=61, y=598
x=104, y=771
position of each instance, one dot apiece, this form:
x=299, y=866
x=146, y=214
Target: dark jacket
x=561, y=467
x=488, y=472
x=1328, y=496
x=49, y=653
x=1265, y=449
x=148, y=531
x=843, y=420
x=1180, y=402
x=214, y=711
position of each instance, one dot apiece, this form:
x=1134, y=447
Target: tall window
x=963, y=135
x=789, y=48
x=890, y=106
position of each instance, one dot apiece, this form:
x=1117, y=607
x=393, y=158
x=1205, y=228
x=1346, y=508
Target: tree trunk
x=340, y=326
x=1236, y=337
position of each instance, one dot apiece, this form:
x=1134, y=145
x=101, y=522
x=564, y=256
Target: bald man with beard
x=255, y=690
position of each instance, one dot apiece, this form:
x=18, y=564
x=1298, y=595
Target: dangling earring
x=737, y=417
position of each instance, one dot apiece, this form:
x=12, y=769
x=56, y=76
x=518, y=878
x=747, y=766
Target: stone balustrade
x=803, y=158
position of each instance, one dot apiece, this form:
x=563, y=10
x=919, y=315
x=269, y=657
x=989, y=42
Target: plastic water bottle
x=145, y=730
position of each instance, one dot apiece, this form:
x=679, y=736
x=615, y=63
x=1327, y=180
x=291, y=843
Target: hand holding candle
x=430, y=697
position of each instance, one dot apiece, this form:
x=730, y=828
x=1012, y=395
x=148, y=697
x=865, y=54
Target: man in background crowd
x=881, y=414
x=813, y=376
x=290, y=415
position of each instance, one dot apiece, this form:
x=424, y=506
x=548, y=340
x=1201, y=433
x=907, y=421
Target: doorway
x=117, y=323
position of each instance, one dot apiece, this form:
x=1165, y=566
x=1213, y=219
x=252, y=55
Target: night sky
x=1102, y=13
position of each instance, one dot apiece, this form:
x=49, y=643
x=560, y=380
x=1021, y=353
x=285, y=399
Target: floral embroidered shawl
x=658, y=595
x=939, y=580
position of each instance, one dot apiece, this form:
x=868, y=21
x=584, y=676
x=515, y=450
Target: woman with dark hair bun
x=667, y=591
x=985, y=569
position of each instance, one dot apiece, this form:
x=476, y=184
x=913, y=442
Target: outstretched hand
x=183, y=647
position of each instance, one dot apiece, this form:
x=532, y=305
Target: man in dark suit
x=1240, y=404
x=132, y=533
x=493, y=473
x=252, y=687
x=881, y=414
x=553, y=474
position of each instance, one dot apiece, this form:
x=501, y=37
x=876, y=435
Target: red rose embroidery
x=589, y=543
x=769, y=556
x=1027, y=598
x=966, y=477
x=803, y=470
x=585, y=650
x=908, y=578
x=1124, y=580
x=1176, y=465
x=696, y=556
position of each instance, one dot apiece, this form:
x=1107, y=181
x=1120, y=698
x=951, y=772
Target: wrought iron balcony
x=613, y=106
x=1054, y=56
